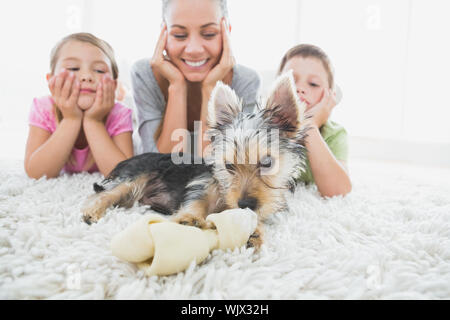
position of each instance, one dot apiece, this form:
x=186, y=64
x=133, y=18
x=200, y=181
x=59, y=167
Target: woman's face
x=194, y=43
x=88, y=63
x=310, y=77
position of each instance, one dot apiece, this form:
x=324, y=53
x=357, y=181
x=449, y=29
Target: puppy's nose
x=249, y=202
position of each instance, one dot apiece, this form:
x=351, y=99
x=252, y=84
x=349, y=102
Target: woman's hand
x=320, y=113
x=65, y=90
x=104, y=100
x=162, y=64
x=225, y=65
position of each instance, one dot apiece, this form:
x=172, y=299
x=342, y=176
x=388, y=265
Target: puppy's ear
x=224, y=105
x=283, y=107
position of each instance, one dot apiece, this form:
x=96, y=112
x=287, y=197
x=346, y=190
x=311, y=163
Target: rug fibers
x=388, y=239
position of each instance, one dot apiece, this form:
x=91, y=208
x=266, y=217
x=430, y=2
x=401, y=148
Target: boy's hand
x=161, y=64
x=225, y=65
x=320, y=113
x=65, y=90
x=104, y=100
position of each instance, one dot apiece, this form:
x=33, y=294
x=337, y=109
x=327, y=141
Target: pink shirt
x=42, y=116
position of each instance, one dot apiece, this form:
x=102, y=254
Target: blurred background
x=391, y=60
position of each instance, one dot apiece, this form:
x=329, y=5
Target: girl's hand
x=320, y=113
x=162, y=64
x=65, y=90
x=225, y=65
x=104, y=100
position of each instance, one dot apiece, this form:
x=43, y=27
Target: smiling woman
x=192, y=48
x=172, y=89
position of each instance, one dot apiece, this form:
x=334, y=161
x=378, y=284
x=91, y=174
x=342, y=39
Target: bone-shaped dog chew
x=162, y=247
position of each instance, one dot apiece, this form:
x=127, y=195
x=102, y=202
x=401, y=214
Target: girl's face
x=194, y=43
x=310, y=77
x=88, y=63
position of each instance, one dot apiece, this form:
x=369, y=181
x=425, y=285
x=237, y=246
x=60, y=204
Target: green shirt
x=335, y=137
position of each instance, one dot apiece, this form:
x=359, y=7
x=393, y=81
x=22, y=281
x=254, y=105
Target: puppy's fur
x=253, y=161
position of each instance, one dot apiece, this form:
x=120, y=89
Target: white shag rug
x=389, y=239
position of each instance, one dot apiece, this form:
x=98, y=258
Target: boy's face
x=310, y=77
x=89, y=64
x=194, y=43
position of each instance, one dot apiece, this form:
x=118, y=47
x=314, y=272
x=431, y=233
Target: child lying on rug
x=326, y=141
x=79, y=127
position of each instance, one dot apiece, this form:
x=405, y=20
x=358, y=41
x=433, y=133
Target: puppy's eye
x=266, y=162
x=230, y=167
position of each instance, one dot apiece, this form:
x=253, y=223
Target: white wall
x=390, y=57
x=427, y=107
x=366, y=40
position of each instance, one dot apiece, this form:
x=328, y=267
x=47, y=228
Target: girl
x=172, y=89
x=327, y=141
x=79, y=127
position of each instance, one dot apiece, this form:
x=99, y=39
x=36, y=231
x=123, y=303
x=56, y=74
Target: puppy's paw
x=255, y=240
x=92, y=214
x=194, y=221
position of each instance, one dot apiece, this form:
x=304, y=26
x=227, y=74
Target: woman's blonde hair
x=54, y=56
x=309, y=51
x=222, y=4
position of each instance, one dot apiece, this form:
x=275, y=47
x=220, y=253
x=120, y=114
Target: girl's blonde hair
x=309, y=51
x=54, y=56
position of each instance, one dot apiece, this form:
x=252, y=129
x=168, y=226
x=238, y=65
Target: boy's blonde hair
x=309, y=51
x=54, y=56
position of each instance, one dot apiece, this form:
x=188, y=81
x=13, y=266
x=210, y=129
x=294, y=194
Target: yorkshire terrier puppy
x=253, y=160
